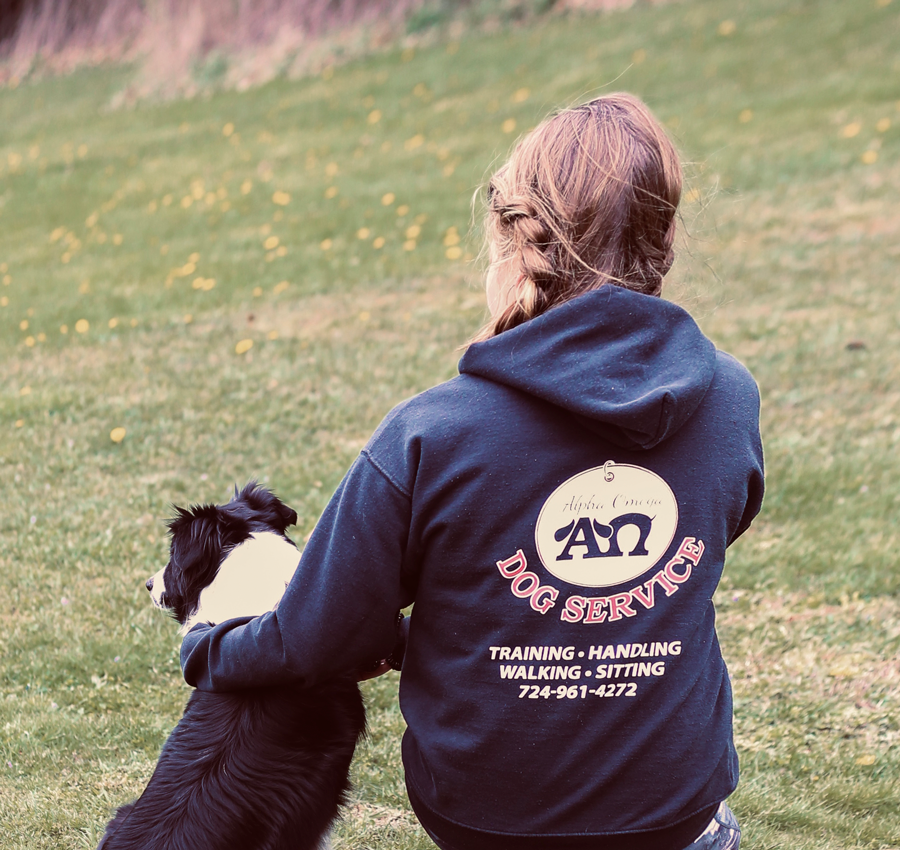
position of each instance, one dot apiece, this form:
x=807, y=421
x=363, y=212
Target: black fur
x=252, y=770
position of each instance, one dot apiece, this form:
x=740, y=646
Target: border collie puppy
x=259, y=769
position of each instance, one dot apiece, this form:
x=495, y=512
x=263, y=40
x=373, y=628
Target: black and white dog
x=251, y=770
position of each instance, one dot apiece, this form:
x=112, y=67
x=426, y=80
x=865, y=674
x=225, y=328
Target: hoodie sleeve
x=338, y=613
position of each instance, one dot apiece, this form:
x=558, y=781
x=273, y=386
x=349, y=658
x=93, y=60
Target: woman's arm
x=339, y=612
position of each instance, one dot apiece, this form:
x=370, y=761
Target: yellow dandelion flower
x=151, y=207
x=257, y=291
x=197, y=283
x=23, y=325
x=454, y=253
x=331, y=192
x=420, y=89
x=4, y=268
x=883, y=125
x=851, y=130
x=4, y=301
x=869, y=157
x=451, y=238
x=91, y=220
x=281, y=251
x=402, y=210
x=113, y=323
x=15, y=160
x=188, y=318
x=42, y=337
x=508, y=125
x=7, y=279
x=82, y=151
x=332, y=169
x=409, y=245
x=272, y=335
x=29, y=341
x=208, y=284
x=186, y=201
x=57, y=234
x=84, y=287
x=228, y=129
x=362, y=233
x=25, y=391
x=727, y=28
x=387, y=199
x=243, y=346
x=66, y=257
x=692, y=196
x=63, y=329
x=867, y=759
x=193, y=258
x=271, y=243
x=326, y=244
x=378, y=243
x=364, y=316
x=133, y=323
x=414, y=142
x=745, y=116
x=521, y=95
x=281, y=198
x=188, y=268
x=246, y=187
x=374, y=116
x=413, y=231
x=209, y=199
x=280, y=287
x=117, y=239
x=448, y=170
x=117, y=435
x=639, y=56
x=82, y=326
x=20, y=423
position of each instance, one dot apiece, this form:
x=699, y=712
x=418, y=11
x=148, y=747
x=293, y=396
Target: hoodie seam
x=385, y=474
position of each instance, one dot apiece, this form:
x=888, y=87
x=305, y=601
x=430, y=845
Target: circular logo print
x=606, y=525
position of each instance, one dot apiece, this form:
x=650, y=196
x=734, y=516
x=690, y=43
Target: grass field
x=247, y=283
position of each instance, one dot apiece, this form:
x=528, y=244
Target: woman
x=559, y=514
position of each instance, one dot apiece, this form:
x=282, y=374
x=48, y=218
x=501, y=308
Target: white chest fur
x=250, y=581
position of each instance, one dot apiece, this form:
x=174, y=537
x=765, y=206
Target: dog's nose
x=150, y=583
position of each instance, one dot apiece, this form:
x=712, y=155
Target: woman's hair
x=587, y=198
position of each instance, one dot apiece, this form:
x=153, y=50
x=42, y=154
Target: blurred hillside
x=182, y=47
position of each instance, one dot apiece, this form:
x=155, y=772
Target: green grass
x=790, y=120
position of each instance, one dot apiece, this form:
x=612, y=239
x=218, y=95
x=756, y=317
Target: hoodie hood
x=631, y=367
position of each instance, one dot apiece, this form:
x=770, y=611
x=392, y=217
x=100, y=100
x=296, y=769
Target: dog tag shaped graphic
x=606, y=525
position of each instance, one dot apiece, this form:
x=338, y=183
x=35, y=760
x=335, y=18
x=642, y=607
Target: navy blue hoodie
x=559, y=514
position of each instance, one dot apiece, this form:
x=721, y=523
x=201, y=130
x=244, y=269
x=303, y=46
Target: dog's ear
x=258, y=504
x=289, y=515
